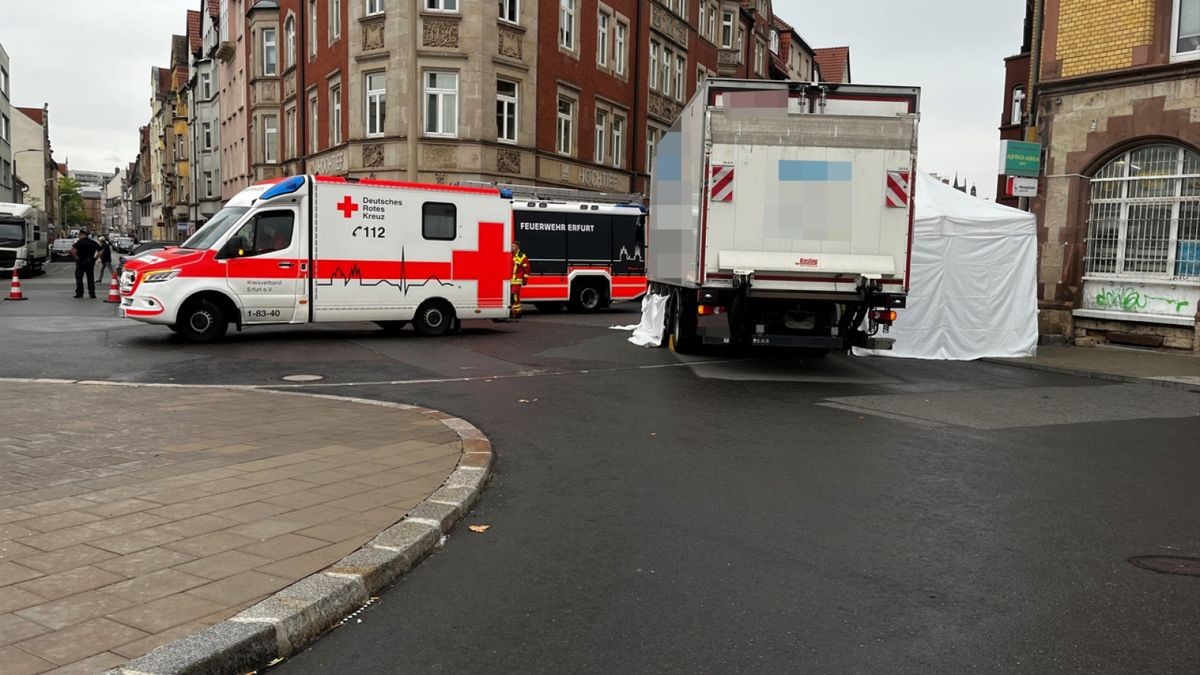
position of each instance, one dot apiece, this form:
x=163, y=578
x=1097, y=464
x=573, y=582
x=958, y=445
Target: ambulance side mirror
x=232, y=248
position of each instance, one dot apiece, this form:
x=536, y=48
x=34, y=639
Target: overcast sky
x=91, y=59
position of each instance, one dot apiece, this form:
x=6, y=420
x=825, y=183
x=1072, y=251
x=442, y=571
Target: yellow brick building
x=1115, y=103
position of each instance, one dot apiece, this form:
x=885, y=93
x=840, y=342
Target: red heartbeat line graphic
x=355, y=274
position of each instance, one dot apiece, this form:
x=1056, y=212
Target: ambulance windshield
x=217, y=226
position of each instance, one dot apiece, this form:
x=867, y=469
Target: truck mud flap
x=879, y=343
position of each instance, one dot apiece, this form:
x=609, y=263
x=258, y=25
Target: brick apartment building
x=554, y=92
x=1117, y=108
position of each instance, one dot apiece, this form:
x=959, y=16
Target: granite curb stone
x=284, y=623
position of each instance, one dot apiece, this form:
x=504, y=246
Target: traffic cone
x=15, y=293
x=114, y=295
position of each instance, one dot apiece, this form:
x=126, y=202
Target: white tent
x=973, y=289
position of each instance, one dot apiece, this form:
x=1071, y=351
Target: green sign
x=1018, y=158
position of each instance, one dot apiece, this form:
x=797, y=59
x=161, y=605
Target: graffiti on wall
x=1146, y=299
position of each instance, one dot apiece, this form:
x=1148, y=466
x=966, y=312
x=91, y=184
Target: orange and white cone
x=114, y=295
x=15, y=293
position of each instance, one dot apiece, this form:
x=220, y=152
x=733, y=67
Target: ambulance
x=319, y=249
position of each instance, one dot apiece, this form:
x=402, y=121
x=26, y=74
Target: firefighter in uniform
x=520, y=272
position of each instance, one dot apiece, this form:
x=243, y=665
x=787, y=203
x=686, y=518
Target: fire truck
x=316, y=249
x=586, y=249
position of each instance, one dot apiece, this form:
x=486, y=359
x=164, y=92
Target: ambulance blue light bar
x=284, y=187
x=506, y=193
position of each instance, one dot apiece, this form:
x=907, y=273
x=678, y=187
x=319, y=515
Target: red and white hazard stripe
x=897, y=189
x=722, y=184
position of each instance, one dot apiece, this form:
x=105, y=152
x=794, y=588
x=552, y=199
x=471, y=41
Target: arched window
x=1144, y=214
x=289, y=32
x=1018, y=105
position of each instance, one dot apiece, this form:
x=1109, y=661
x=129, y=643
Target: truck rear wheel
x=202, y=321
x=434, y=318
x=682, y=339
x=587, y=295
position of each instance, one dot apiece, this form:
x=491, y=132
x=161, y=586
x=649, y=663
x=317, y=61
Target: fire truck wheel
x=549, y=307
x=202, y=321
x=434, y=318
x=587, y=296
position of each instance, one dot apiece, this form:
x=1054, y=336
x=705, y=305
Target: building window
x=727, y=30
x=1144, y=214
x=289, y=47
x=665, y=76
x=441, y=103
x=619, y=47
x=374, y=7
x=618, y=141
x=711, y=30
x=205, y=86
x=602, y=21
x=1186, y=29
x=441, y=5
x=510, y=11
x=566, y=24
x=335, y=114
x=5, y=128
x=601, y=141
x=314, y=139
x=652, y=135
x=376, y=102
x=1018, y=105
x=653, y=65
x=208, y=184
x=565, y=125
x=290, y=150
x=270, y=53
x=270, y=139
x=758, y=58
x=506, y=111
x=335, y=19
x=439, y=221
x=680, y=87
x=207, y=135
x=312, y=28
x=774, y=41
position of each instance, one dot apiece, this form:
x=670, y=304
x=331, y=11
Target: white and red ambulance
x=311, y=249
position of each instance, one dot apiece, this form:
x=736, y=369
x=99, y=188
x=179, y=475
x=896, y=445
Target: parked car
x=61, y=249
x=123, y=244
x=144, y=247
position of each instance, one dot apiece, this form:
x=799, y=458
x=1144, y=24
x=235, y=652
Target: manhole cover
x=303, y=378
x=1168, y=564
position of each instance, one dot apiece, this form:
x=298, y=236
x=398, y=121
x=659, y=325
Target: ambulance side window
x=439, y=221
x=265, y=233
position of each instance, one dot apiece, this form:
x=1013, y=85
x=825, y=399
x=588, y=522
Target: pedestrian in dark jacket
x=84, y=252
x=106, y=252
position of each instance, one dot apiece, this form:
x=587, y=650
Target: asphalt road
x=736, y=512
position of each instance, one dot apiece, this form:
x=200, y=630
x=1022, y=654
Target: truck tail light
x=709, y=310
x=886, y=316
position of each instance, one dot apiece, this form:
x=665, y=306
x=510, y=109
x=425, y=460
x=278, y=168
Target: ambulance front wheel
x=434, y=318
x=201, y=321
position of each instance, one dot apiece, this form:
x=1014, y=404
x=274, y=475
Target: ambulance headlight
x=154, y=276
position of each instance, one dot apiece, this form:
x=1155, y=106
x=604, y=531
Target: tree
x=73, y=212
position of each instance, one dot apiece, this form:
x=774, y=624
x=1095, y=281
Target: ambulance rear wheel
x=202, y=321
x=434, y=318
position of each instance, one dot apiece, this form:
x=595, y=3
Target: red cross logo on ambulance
x=347, y=206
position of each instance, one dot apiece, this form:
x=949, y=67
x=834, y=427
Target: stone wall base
x=1098, y=331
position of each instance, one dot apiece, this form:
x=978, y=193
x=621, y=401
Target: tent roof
x=943, y=211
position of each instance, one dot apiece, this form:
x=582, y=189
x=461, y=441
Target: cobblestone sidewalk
x=130, y=517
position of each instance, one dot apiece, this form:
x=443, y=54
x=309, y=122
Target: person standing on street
x=84, y=252
x=106, y=252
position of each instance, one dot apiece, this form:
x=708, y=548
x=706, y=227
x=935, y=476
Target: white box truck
x=781, y=214
x=24, y=238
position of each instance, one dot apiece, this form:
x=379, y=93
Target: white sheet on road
x=650, y=331
x=974, y=280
